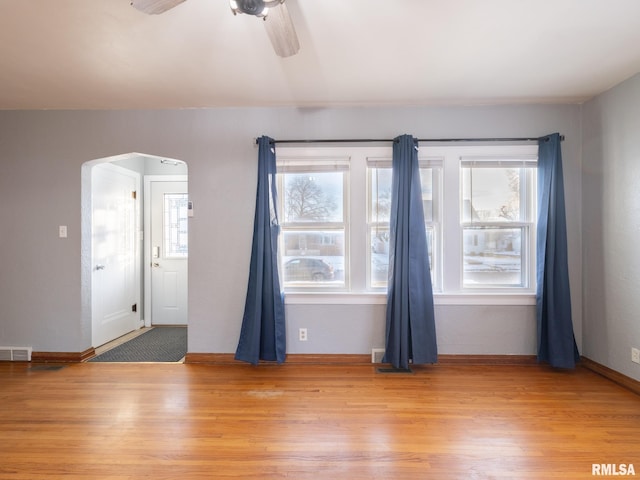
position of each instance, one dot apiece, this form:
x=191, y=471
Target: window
x=378, y=226
x=313, y=221
x=496, y=222
x=479, y=208
x=176, y=225
x=379, y=203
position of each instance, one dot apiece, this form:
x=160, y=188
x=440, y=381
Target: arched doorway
x=118, y=244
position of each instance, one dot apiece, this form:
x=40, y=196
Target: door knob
x=99, y=267
x=154, y=264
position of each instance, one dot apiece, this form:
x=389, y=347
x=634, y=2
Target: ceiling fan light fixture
x=257, y=8
x=250, y=7
x=279, y=26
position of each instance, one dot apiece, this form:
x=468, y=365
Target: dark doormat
x=160, y=344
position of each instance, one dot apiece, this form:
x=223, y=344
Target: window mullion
x=357, y=221
x=451, y=217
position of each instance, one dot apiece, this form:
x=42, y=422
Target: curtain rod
x=432, y=140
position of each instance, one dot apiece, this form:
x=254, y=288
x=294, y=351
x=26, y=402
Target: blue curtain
x=556, y=341
x=410, y=331
x=262, y=336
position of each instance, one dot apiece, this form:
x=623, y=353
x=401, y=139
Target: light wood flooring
x=189, y=421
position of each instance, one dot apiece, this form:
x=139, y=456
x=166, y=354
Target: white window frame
x=447, y=271
x=527, y=164
x=171, y=230
x=453, y=286
x=435, y=164
x=309, y=161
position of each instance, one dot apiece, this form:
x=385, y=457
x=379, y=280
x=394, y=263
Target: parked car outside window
x=307, y=269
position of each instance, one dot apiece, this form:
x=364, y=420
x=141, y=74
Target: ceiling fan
x=277, y=20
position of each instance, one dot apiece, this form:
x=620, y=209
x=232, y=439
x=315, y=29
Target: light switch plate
x=62, y=231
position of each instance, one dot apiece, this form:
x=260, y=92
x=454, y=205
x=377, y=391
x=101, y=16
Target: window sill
x=379, y=298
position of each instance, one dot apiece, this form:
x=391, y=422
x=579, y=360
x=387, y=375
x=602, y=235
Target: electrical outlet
x=302, y=334
x=635, y=355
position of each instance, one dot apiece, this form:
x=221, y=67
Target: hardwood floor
x=183, y=421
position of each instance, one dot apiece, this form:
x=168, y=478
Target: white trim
x=484, y=299
x=448, y=262
x=335, y=298
x=380, y=298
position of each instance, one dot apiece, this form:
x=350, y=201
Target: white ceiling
x=104, y=54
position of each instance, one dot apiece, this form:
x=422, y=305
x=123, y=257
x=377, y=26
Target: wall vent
x=376, y=355
x=15, y=354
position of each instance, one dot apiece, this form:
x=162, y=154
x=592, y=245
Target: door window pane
x=175, y=225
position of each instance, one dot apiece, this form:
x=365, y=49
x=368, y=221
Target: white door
x=169, y=251
x=115, y=287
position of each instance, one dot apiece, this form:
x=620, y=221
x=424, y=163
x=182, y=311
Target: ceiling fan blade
x=155, y=7
x=281, y=31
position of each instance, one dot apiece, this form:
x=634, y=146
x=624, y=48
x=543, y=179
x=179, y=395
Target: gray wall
x=611, y=227
x=42, y=153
